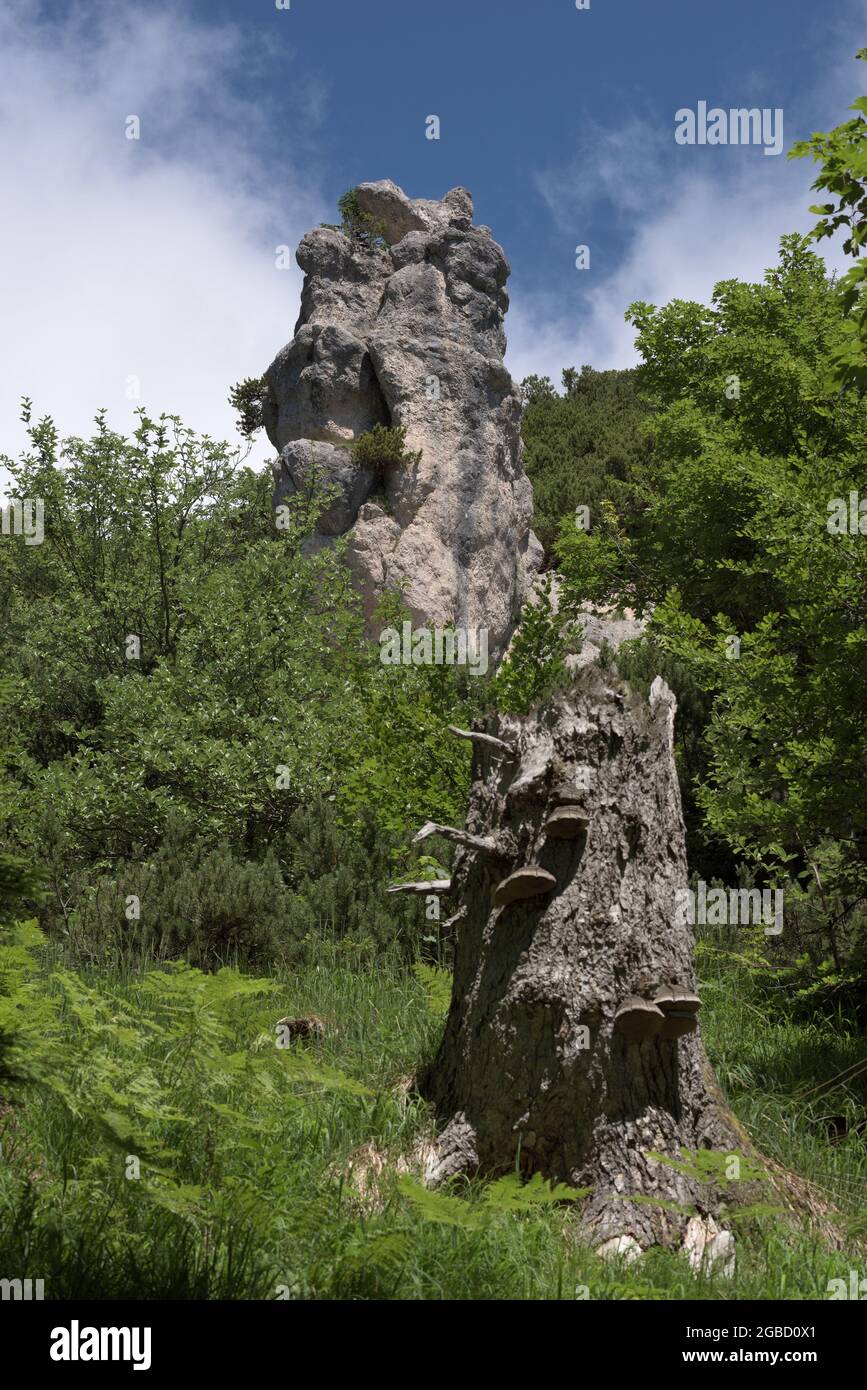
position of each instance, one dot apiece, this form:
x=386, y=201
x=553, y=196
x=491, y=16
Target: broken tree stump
x=531, y=1069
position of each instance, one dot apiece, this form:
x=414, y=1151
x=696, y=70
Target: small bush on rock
x=382, y=448
x=360, y=227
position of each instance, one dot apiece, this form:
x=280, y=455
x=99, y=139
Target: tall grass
x=259, y=1177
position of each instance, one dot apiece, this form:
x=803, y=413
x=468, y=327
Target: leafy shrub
x=142, y=1134
x=212, y=905
x=247, y=398
x=535, y=664
x=382, y=448
x=198, y=902
x=361, y=227
x=580, y=447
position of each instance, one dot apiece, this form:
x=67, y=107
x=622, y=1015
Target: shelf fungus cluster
x=671, y=1014
x=566, y=819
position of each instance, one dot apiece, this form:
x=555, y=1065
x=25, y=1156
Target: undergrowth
x=156, y=1143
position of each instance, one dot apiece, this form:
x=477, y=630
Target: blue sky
x=527, y=90
x=148, y=266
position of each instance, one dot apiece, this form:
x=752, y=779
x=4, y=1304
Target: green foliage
x=513, y=1194
x=22, y=1021
x=437, y=984
x=361, y=227
x=537, y=389
x=708, y=1166
x=245, y=1150
x=161, y=1101
x=383, y=448
x=410, y=769
x=247, y=398
x=27, y=1017
x=180, y=662
x=197, y=901
x=639, y=662
x=21, y=886
x=581, y=445
x=728, y=540
x=508, y=1195
x=535, y=665
x=842, y=154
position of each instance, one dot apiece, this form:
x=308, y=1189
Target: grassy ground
x=242, y=1149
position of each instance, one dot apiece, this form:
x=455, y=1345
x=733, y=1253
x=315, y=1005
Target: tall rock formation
x=410, y=333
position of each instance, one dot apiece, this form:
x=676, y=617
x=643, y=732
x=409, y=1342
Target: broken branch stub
x=484, y=844
x=451, y=922
x=435, y=886
x=494, y=745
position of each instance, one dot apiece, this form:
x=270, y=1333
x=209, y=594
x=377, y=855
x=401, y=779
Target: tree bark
x=531, y=1070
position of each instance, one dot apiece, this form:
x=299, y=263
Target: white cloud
x=708, y=232
x=153, y=258
x=692, y=217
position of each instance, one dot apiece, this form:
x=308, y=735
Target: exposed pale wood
x=496, y=745
x=485, y=844
x=435, y=886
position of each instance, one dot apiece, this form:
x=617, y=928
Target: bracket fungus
x=567, y=823
x=680, y=1007
x=529, y=882
x=638, y=1019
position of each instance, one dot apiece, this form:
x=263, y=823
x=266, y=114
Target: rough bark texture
x=516, y=1076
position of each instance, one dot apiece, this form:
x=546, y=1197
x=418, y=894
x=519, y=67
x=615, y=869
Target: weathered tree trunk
x=537, y=1067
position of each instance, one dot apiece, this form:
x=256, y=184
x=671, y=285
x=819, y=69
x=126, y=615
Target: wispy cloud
x=153, y=259
x=690, y=217
x=610, y=174
x=149, y=259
